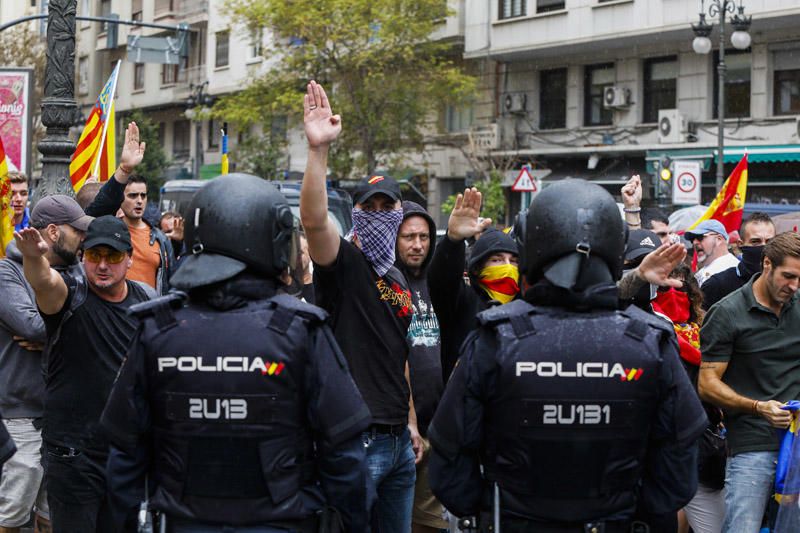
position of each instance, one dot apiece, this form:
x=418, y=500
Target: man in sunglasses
x=710, y=242
x=89, y=330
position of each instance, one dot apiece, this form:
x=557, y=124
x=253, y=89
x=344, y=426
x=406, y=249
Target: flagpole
x=105, y=123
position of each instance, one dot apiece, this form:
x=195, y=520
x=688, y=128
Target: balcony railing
x=180, y=9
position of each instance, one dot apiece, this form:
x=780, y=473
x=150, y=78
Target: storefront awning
x=773, y=153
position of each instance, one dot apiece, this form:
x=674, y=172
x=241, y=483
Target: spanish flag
x=96, y=152
x=6, y=211
x=728, y=206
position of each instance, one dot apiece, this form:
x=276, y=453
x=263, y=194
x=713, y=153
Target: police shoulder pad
x=636, y=315
x=173, y=300
x=298, y=306
x=504, y=313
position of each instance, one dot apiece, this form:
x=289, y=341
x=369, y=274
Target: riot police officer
x=241, y=400
x=564, y=413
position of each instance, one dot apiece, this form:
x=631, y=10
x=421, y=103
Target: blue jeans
x=390, y=461
x=749, y=480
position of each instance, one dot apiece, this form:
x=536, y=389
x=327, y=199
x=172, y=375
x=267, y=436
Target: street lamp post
x=59, y=109
x=197, y=100
x=702, y=45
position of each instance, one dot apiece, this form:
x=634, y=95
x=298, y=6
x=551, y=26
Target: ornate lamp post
x=58, y=105
x=198, y=98
x=702, y=45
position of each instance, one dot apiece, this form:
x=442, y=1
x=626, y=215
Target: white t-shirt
x=722, y=263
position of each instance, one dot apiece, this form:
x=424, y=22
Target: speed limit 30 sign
x=686, y=182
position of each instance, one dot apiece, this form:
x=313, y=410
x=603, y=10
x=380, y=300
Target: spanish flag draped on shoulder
x=728, y=206
x=96, y=151
x=6, y=211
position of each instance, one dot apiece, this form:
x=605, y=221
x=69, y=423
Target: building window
x=83, y=75
x=169, y=74
x=737, y=84
x=214, y=134
x=136, y=10
x=162, y=133
x=163, y=7
x=786, y=96
x=458, y=118
x=278, y=129
x=660, y=86
x=104, y=11
x=512, y=8
x=138, y=76
x=221, y=49
x=543, y=6
x=553, y=99
x=181, y=136
x=256, y=44
x=596, y=79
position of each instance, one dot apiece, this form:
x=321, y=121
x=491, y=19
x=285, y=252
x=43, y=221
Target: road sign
x=686, y=180
x=525, y=182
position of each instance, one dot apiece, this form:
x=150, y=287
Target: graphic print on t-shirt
x=396, y=296
x=424, y=328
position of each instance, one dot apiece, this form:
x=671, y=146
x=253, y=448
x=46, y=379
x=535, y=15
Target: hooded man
x=416, y=240
x=492, y=269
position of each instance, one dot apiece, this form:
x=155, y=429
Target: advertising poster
x=16, y=92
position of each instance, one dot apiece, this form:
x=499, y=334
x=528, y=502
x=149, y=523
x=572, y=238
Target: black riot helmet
x=572, y=231
x=235, y=222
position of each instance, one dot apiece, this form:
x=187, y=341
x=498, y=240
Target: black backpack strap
x=161, y=310
x=287, y=307
x=636, y=329
x=517, y=313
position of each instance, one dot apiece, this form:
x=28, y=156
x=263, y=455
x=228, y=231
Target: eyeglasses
x=95, y=255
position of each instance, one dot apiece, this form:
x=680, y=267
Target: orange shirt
x=146, y=257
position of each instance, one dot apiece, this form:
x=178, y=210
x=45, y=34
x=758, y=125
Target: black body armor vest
x=569, y=416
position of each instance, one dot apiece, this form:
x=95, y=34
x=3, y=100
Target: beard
x=63, y=252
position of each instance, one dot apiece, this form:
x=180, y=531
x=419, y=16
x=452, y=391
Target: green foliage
x=155, y=159
x=259, y=156
x=494, y=200
x=376, y=59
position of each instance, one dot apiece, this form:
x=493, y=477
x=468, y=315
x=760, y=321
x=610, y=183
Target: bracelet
x=632, y=210
x=755, y=407
x=125, y=170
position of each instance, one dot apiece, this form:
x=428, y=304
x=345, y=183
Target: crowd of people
x=238, y=376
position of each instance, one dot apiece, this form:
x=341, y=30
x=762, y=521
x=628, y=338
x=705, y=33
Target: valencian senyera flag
x=224, y=169
x=6, y=211
x=728, y=206
x=95, y=155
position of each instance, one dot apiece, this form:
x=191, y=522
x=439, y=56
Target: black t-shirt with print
x=370, y=316
x=83, y=364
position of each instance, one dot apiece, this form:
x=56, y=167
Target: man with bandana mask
x=370, y=305
x=710, y=242
x=492, y=270
x=756, y=231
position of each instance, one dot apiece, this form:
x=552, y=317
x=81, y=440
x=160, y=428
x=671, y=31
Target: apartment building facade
x=580, y=87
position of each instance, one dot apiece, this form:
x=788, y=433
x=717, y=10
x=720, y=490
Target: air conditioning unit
x=515, y=103
x=616, y=97
x=671, y=126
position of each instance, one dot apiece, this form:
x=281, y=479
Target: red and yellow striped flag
x=95, y=154
x=6, y=211
x=728, y=206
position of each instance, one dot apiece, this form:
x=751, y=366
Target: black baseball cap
x=640, y=243
x=59, y=209
x=108, y=231
x=376, y=184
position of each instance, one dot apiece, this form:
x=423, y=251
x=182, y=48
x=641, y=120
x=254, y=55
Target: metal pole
x=198, y=148
x=58, y=105
x=721, y=69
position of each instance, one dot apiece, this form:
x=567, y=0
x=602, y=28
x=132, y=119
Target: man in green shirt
x=750, y=342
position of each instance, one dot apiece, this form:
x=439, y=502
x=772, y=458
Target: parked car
x=175, y=195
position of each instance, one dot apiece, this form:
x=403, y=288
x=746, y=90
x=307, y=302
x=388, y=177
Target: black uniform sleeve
x=456, y=432
x=108, y=199
x=338, y=416
x=670, y=477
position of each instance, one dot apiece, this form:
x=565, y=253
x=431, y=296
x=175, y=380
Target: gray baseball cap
x=59, y=209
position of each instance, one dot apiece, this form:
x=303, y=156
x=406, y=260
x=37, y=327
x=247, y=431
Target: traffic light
x=663, y=179
x=665, y=172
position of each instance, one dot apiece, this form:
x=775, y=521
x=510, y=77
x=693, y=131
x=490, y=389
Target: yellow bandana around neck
x=500, y=282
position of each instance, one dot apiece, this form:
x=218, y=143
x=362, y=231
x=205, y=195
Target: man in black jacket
x=457, y=303
x=756, y=231
x=416, y=241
